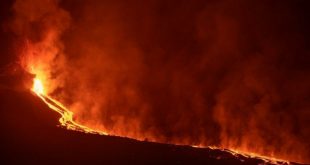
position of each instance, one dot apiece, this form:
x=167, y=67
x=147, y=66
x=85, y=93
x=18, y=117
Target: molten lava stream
x=67, y=121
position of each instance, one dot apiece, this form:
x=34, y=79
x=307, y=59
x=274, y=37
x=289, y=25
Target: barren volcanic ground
x=30, y=136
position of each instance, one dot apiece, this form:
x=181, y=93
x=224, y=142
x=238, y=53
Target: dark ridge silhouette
x=30, y=136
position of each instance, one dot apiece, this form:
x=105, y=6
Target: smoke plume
x=223, y=73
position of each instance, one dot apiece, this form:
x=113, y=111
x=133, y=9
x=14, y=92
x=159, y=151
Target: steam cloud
x=234, y=75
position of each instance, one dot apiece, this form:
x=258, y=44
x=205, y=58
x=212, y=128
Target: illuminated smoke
x=218, y=73
x=38, y=25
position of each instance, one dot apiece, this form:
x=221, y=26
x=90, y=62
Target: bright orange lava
x=37, y=86
x=67, y=121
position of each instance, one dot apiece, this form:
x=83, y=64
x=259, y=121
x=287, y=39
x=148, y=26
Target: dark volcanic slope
x=29, y=135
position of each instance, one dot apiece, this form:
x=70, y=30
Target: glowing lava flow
x=66, y=119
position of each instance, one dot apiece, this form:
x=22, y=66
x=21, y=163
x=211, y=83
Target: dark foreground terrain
x=29, y=135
